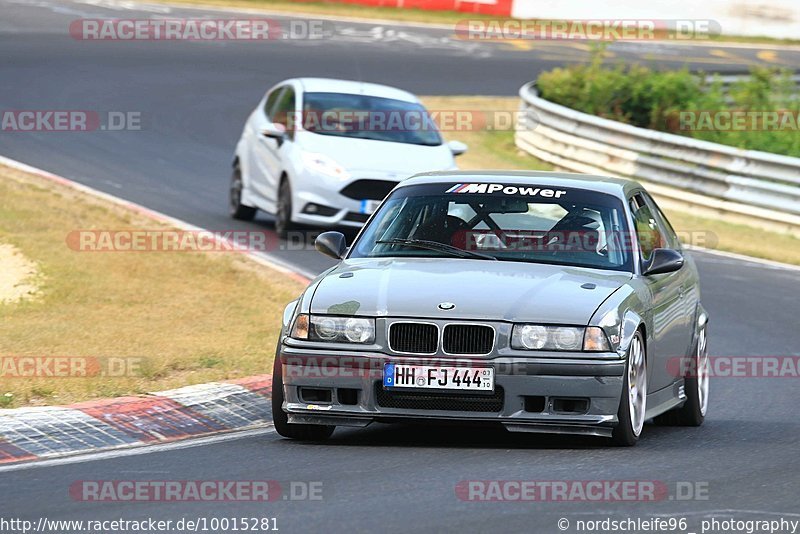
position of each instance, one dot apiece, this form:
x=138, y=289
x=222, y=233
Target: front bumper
x=569, y=395
x=310, y=188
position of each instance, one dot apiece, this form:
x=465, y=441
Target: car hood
x=384, y=158
x=480, y=289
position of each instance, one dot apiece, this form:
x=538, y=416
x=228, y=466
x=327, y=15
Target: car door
x=265, y=163
x=666, y=336
x=686, y=277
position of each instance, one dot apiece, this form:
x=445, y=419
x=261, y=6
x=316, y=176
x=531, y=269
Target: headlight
x=559, y=338
x=323, y=164
x=334, y=329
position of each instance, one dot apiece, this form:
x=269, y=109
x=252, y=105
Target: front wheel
x=281, y=420
x=633, y=402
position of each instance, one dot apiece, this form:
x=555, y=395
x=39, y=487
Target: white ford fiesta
x=325, y=152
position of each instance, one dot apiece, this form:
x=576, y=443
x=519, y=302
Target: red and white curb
x=39, y=433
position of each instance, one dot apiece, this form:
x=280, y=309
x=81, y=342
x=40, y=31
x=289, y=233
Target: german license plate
x=369, y=206
x=438, y=377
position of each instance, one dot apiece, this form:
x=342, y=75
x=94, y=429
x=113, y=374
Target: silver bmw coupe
x=539, y=301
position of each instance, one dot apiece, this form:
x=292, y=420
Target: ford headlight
x=335, y=329
x=322, y=164
x=559, y=338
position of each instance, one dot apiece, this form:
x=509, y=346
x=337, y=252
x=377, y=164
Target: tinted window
x=648, y=234
x=522, y=223
x=369, y=117
x=269, y=105
x=666, y=228
x=284, y=107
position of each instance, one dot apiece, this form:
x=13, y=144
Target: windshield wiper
x=435, y=245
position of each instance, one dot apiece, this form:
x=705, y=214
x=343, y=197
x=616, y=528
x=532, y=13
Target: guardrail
x=729, y=79
x=747, y=183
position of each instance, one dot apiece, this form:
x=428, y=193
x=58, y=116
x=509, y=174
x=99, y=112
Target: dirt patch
x=18, y=275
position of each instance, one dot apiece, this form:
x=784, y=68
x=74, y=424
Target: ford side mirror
x=274, y=130
x=663, y=260
x=332, y=244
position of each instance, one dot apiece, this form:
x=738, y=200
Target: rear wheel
x=237, y=209
x=283, y=217
x=281, y=420
x=696, y=386
x=633, y=402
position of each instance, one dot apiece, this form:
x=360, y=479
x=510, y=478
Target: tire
x=633, y=401
x=281, y=420
x=237, y=209
x=696, y=386
x=283, y=215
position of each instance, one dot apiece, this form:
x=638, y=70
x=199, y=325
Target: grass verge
x=488, y=148
x=496, y=150
x=160, y=319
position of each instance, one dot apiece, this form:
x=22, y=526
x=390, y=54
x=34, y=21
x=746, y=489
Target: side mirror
x=457, y=147
x=274, y=130
x=332, y=244
x=663, y=260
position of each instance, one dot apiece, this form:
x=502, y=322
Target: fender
x=630, y=323
x=617, y=318
x=700, y=323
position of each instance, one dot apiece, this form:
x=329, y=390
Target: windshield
x=369, y=117
x=532, y=224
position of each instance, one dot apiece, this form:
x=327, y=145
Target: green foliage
x=643, y=97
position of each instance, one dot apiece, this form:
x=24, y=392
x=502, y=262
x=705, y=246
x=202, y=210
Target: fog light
x=319, y=209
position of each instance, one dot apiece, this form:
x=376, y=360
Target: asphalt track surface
x=193, y=98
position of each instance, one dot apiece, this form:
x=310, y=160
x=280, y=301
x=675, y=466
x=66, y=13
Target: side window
x=269, y=105
x=284, y=107
x=648, y=234
x=666, y=228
